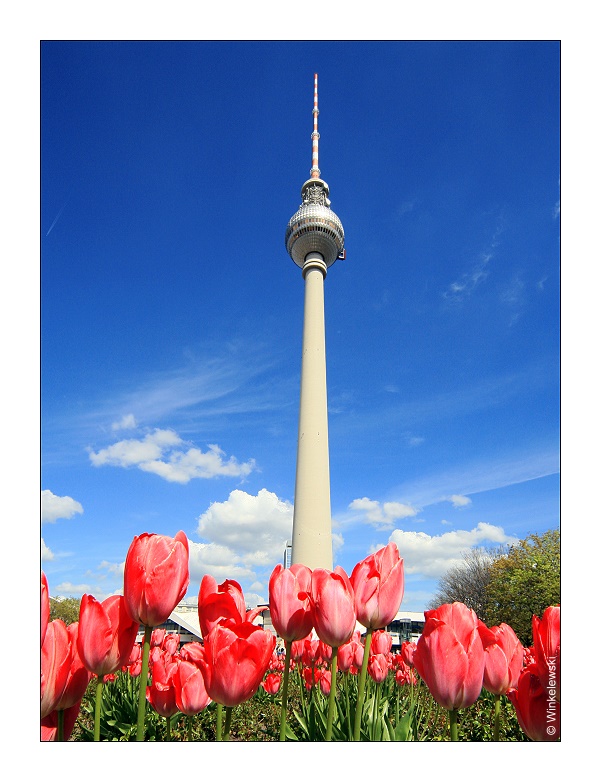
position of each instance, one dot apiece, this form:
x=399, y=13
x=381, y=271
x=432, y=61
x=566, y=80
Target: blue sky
x=171, y=314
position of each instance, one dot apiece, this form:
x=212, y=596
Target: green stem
x=190, y=728
x=332, y=698
x=228, y=723
x=60, y=727
x=219, y=719
x=453, y=724
x=361, y=691
x=168, y=734
x=143, y=683
x=497, y=717
x=99, y=686
x=349, y=728
x=285, y=691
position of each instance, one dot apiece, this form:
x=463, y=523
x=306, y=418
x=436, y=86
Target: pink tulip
x=378, y=583
x=237, y=657
x=503, y=656
x=333, y=603
x=381, y=642
x=347, y=653
x=157, y=637
x=290, y=601
x=156, y=577
x=312, y=648
x=407, y=651
x=45, y=606
x=450, y=657
x=191, y=694
x=222, y=604
x=405, y=675
x=134, y=662
x=377, y=667
x=161, y=693
x=547, y=652
x=78, y=677
x=106, y=634
x=56, y=665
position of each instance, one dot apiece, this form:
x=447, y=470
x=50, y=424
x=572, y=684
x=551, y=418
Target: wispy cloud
x=463, y=286
x=473, y=477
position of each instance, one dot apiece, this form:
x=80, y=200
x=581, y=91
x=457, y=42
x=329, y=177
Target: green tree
x=524, y=582
x=65, y=608
x=467, y=582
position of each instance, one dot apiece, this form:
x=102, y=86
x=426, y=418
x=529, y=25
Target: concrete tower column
x=312, y=526
x=314, y=240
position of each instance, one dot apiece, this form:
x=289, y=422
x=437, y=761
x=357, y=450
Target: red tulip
x=171, y=643
x=546, y=638
x=191, y=694
x=45, y=606
x=106, y=635
x=503, y=658
x=271, y=683
x=192, y=652
x=222, y=605
x=347, y=653
x=290, y=602
x=378, y=583
x=405, y=675
x=407, y=651
x=333, y=602
x=311, y=677
x=78, y=678
x=237, y=657
x=325, y=682
x=49, y=727
x=538, y=712
x=161, y=693
x=134, y=662
x=377, y=667
x=156, y=577
x=56, y=665
x=450, y=657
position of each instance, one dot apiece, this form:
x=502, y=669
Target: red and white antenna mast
x=315, y=172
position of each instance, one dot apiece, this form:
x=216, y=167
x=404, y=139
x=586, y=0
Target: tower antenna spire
x=315, y=172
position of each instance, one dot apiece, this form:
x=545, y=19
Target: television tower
x=314, y=240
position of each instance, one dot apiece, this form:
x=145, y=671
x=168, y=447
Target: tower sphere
x=314, y=227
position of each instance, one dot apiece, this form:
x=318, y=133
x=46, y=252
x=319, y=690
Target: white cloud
x=382, y=515
x=126, y=422
x=255, y=527
x=47, y=555
x=54, y=507
x=67, y=589
x=459, y=500
x=115, y=569
x=433, y=555
x=218, y=561
x=157, y=453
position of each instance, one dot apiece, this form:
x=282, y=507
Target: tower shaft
x=314, y=240
x=312, y=525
